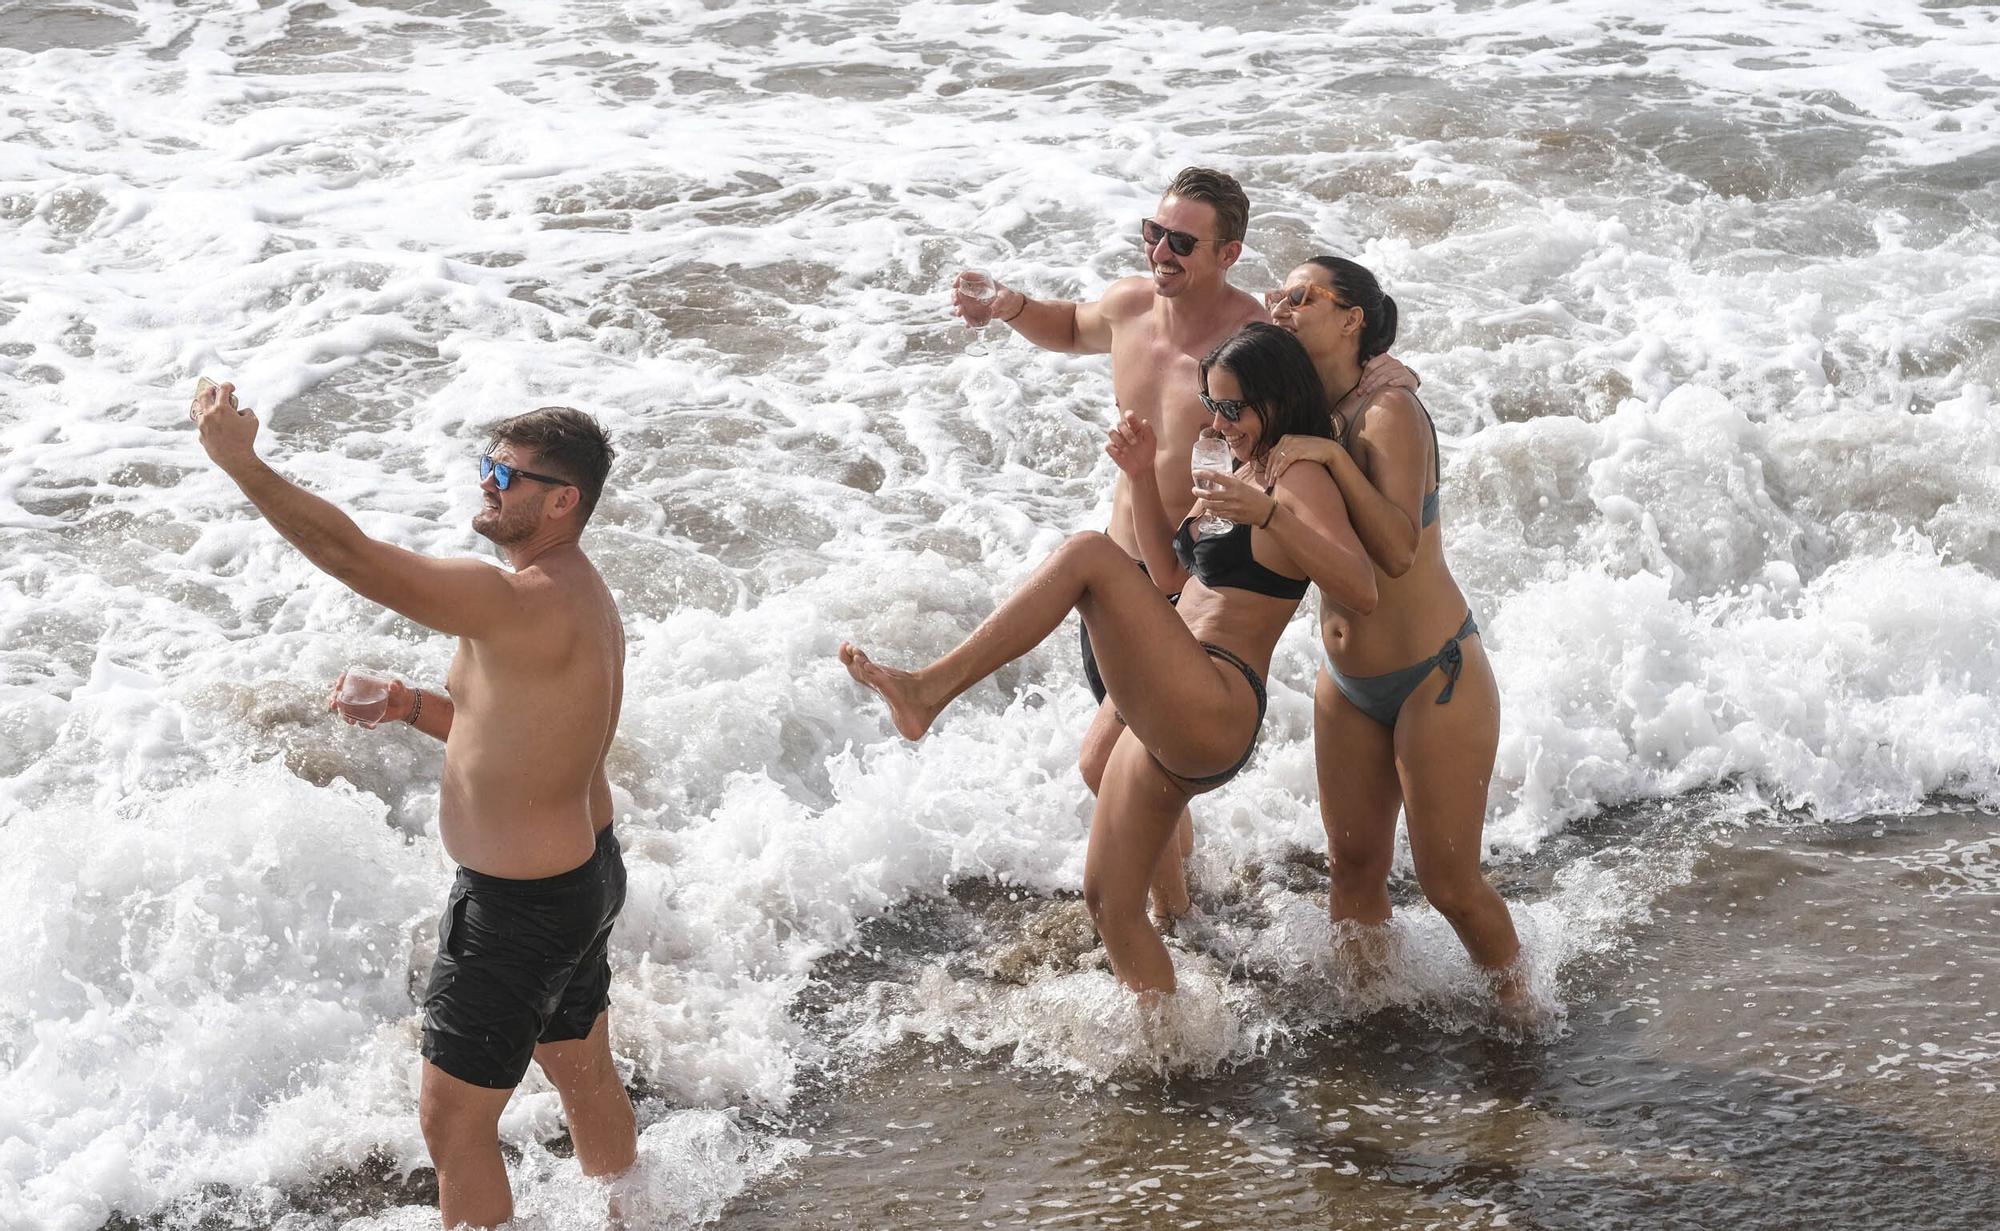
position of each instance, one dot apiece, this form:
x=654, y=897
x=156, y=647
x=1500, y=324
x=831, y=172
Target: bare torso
x=1246, y=624
x=1415, y=614
x=1157, y=346
x=524, y=791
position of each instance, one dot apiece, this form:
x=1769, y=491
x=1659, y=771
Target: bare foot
x=909, y=709
x=1514, y=1009
x=1361, y=951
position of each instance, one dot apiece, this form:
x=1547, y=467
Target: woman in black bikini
x=1406, y=710
x=1187, y=681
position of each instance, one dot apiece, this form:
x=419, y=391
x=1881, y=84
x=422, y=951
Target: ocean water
x=1706, y=302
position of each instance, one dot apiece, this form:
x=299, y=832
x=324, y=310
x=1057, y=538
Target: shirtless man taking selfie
x=528, y=713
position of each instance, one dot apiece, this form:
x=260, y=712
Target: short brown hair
x=1223, y=194
x=566, y=441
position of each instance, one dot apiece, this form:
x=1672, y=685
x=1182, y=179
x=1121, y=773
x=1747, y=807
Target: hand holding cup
x=364, y=699
x=229, y=438
x=973, y=295
x=1231, y=499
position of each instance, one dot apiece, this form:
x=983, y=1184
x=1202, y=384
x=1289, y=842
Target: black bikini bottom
x=1191, y=785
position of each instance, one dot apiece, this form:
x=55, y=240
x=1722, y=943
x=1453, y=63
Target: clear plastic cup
x=363, y=697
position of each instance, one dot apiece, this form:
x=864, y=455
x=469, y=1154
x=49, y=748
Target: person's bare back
x=524, y=792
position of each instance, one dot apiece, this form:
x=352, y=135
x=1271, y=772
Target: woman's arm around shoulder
x=1311, y=525
x=1389, y=478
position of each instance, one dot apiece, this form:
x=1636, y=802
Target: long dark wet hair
x=1356, y=286
x=1278, y=378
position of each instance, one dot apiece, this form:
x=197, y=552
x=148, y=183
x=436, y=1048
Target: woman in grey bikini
x=1188, y=681
x=1406, y=709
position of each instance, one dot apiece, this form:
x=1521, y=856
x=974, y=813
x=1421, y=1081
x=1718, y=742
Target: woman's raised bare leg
x=1090, y=570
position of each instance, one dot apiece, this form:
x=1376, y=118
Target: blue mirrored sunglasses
x=503, y=475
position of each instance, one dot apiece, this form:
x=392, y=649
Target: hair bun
x=1381, y=333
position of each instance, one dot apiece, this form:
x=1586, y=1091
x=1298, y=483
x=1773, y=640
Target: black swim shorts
x=521, y=962
x=1090, y=675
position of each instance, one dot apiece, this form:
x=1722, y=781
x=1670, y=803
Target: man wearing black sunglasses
x=530, y=707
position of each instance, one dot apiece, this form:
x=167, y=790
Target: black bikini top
x=1221, y=561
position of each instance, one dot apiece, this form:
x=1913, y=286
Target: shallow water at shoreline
x=1806, y=1035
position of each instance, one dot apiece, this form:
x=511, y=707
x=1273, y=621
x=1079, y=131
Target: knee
x=1092, y=769
x=1108, y=907
x=571, y=1075
x=1457, y=894
x=1088, y=549
x=1356, y=871
x=449, y=1130
x=1093, y=897
x=1092, y=541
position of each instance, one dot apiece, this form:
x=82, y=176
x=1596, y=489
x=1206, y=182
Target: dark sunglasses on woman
x=503, y=475
x=1229, y=408
x=1179, y=242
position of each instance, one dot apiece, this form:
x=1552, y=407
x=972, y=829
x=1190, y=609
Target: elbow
x=1401, y=553
x=347, y=559
x=343, y=564
x=1167, y=575
x=1364, y=597
x=1074, y=343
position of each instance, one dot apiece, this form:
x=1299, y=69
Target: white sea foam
x=1706, y=305
x=1083, y=1022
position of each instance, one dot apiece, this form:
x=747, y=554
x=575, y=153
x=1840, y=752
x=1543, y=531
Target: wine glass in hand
x=981, y=289
x=1212, y=452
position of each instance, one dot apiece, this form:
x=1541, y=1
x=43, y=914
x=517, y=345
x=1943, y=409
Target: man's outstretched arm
x=1052, y=324
x=465, y=598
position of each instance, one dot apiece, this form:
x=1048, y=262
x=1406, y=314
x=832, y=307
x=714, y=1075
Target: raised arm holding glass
x=522, y=972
